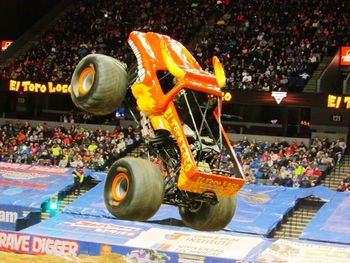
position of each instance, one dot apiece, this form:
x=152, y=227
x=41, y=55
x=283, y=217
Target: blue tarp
x=92, y=204
x=259, y=208
x=331, y=223
x=29, y=186
x=23, y=189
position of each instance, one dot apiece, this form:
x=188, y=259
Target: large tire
x=207, y=217
x=134, y=189
x=99, y=84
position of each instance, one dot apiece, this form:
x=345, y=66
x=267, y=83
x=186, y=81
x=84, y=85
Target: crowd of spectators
x=103, y=26
x=59, y=146
x=278, y=163
x=264, y=45
x=275, y=45
x=290, y=165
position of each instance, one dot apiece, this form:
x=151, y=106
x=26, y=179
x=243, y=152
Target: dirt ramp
x=20, y=258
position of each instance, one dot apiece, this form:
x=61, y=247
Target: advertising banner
x=5, y=44
x=143, y=242
x=9, y=216
x=207, y=244
x=38, y=87
x=27, y=244
x=293, y=251
x=71, y=250
x=345, y=56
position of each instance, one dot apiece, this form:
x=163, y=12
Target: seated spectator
x=347, y=178
x=129, y=142
x=343, y=186
x=287, y=180
x=296, y=182
x=342, y=145
x=250, y=178
x=264, y=171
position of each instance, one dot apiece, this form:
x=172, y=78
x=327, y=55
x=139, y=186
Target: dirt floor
x=18, y=258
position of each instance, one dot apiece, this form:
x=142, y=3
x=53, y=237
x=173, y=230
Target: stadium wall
x=271, y=139
x=331, y=77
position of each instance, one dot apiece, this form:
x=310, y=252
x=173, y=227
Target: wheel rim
x=195, y=207
x=86, y=80
x=120, y=187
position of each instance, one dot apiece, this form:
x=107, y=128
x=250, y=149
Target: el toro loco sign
x=38, y=87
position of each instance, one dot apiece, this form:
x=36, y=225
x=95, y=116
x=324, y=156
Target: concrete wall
x=331, y=78
x=233, y=136
x=321, y=120
x=55, y=124
x=330, y=136
x=262, y=138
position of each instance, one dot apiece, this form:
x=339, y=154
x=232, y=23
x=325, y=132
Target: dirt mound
x=19, y=258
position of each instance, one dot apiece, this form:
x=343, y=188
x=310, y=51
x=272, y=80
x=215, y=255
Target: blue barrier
x=87, y=234
x=23, y=189
x=72, y=235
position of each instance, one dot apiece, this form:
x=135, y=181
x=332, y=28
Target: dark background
x=16, y=16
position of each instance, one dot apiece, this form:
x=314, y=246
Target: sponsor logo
x=107, y=228
x=5, y=44
x=8, y=216
x=279, y=96
x=21, y=184
x=31, y=168
x=21, y=175
x=209, y=182
x=345, y=56
x=204, y=244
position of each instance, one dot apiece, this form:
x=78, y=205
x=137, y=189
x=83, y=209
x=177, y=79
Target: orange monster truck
x=180, y=107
